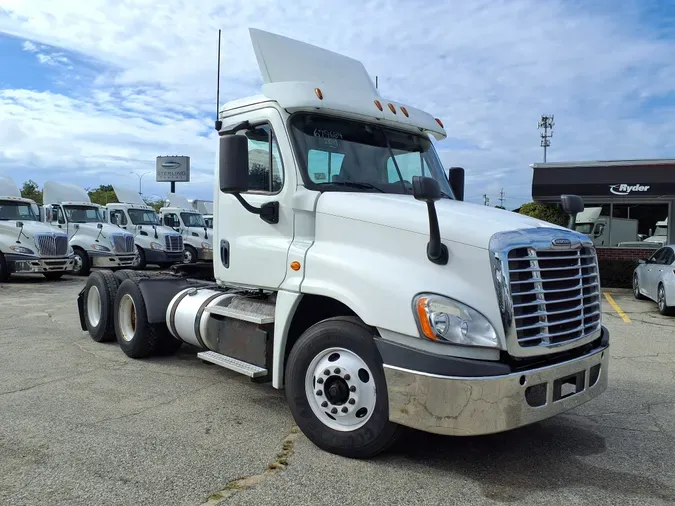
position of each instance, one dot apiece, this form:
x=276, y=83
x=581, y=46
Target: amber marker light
x=423, y=316
x=392, y=108
x=319, y=94
x=439, y=122
x=295, y=265
x=378, y=104
x=404, y=111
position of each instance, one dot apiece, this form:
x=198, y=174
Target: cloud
x=488, y=69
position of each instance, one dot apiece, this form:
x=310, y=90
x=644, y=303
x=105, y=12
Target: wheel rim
x=127, y=317
x=94, y=306
x=340, y=389
x=636, y=289
x=77, y=263
x=662, y=298
x=187, y=256
x=137, y=259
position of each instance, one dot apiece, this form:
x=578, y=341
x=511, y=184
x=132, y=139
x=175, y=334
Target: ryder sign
x=626, y=189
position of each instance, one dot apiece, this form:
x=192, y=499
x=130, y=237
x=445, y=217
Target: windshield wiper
x=357, y=184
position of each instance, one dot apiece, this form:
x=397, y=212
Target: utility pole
x=501, y=198
x=546, y=122
x=486, y=199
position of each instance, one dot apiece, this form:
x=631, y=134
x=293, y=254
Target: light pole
x=140, y=180
x=546, y=122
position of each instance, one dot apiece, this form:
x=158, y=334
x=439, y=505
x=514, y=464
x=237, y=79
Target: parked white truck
x=26, y=244
x=155, y=244
x=592, y=223
x=68, y=208
x=206, y=208
x=179, y=215
x=376, y=298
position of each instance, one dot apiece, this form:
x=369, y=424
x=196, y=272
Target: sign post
x=173, y=169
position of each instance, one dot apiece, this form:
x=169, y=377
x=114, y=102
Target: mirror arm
x=268, y=212
x=437, y=252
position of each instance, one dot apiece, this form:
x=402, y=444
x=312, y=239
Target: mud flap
x=80, y=309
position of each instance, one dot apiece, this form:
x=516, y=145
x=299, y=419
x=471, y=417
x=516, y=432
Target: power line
x=547, y=123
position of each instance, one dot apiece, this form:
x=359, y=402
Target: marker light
x=392, y=108
x=439, y=122
x=445, y=320
x=295, y=265
x=378, y=104
x=405, y=112
x=318, y=93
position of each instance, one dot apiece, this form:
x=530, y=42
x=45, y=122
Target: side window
x=57, y=214
x=668, y=257
x=265, y=167
x=659, y=256
x=322, y=166
x=118, y=217
x=410, y=164
x=171, y=220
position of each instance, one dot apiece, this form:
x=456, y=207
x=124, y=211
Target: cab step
x=250, y=370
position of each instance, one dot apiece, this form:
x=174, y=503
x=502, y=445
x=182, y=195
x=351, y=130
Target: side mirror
x=641, y=261
x=19, y=224
x=99, y=225
x=233, y=164
x=572, y=204
x=426, y=189
x=456, y=180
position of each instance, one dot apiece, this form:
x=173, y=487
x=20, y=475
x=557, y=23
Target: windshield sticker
x=320, y=176
x=330, y=137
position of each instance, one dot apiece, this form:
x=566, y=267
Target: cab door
x=252, y=252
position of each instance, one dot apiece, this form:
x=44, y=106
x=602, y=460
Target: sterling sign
x=625, y=189
x=173, y=169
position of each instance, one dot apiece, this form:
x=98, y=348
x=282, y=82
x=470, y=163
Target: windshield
x=345, y=155
x=83, y=214
x=143, y=217
x=584, y=228
x=15, y=211
x=661, y=231
x=192, y=219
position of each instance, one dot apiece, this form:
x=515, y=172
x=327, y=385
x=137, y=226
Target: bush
x=616, y=273
x=546, y=212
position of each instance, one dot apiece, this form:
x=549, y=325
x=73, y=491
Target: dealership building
x=628, y=202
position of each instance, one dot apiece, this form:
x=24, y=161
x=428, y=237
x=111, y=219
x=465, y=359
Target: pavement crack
x=277, y=465
x=56, y=380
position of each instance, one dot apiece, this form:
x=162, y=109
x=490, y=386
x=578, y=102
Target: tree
x=102, y=195
x=31, y=190
x=155, y=204
x=545, y=212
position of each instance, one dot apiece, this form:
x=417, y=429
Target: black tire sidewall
x=144, y=342
x=369, y=439
x=107, y=286
x=84, y=257
x=193, y=252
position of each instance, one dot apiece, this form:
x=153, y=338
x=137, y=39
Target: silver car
x=654, y=279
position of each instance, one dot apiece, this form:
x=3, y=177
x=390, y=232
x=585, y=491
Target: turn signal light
x=295, y=265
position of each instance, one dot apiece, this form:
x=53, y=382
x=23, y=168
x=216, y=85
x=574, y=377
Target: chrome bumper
x=66, y=264
x=462, y=406
x=112, y=261
x=205, y=254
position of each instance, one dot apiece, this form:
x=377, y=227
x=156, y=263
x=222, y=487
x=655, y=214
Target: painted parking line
x=616, y=307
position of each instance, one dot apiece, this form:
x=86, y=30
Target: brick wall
x=624, y=253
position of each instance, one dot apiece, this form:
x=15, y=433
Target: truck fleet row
x=349, y=272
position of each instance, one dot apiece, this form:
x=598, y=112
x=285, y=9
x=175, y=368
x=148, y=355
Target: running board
x=250, y=370
x=239, y=314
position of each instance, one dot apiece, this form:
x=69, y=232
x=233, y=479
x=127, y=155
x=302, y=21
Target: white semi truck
x=592, y=223
x=68, y=208
x=179, y=215
x=26, y=244
x=155, y=244
x=206, y=208
x=376, y=298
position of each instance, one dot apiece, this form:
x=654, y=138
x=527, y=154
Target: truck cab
x=68, y=208
x=205, y=207
x=26, y=244
x=594, y=224
x=181, y=217
x=351, y=273
x=155, y=243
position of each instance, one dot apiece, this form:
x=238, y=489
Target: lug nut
x=334, y=410
x=336, y=370
x=324, y=404
x=326, y=372
x=352, y=388
x=319, y=392
x=344, y=410
x=319, y=381
x=351, y=401
x=347, y=377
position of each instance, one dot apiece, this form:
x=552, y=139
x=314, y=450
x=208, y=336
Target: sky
x=91, y=91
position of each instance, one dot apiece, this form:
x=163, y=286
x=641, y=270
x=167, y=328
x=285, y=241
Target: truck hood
x=462, y=222
x=92, y=229
x=30, y=228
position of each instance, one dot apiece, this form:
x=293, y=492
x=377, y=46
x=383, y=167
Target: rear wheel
x=664, y=308
x=636, y=288
x=336, y=389
x=99, y=298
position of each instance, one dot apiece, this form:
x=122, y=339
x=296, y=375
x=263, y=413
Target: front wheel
x=82, y=264
x=189, y=255
x=636, y=288
x=139, y=259
x=336, y=389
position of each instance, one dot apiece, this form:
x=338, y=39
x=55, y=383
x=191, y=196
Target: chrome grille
x=174, y=242
x=555, y=294
x=123, y=243
x=52, y=245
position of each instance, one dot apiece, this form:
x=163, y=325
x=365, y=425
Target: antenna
x=376, y=81
x=219, y=124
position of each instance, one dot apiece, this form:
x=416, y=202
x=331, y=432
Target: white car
x=654, y=279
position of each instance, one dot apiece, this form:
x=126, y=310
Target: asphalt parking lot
x=82, y=424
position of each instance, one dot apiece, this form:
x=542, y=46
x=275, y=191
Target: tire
x=53, y=276
x=82, y=260
x=352, y=342
x=636, y=288
x=664, y=309
x=99, y=301
x=136, y=336
x=4, y=269
x=123, y=274
x=190, y=255
x=141, y=263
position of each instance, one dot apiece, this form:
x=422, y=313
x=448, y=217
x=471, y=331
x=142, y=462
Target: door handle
x=225, y=253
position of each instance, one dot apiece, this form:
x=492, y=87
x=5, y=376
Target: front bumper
x=27, y=264
x=111, y=261
x=475, y=405
x=153, y=256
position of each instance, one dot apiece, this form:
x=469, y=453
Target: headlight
x=206, y=245
x=100, y=247
x=156, y=245
x=21, y=250
x=447, y=321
